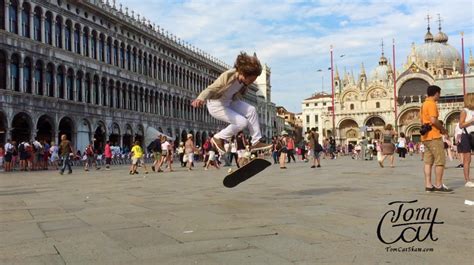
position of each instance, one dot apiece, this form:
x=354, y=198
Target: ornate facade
x=363, y=106
x=93, y=70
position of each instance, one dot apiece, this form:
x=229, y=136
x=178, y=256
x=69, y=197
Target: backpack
x=21, y=148
x=318, y=147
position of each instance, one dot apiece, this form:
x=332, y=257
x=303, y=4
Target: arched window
x=13, y=16
x=87, y=89
x=70, y=84
x=108, y=52
x=104, y=93
x=68, y=35
x=85, y=42
x=48, y=29
x=140, y=63
x=27, y=76
x=101, y=49
x=58, y=33
x=96, y=90
x=60, y=82
x=49, y=80
x=79, y=87
x=37, y=24
x=122, y=57
x=129, y=57
x=25, y=20
x=351, y=106
x=94, y=45
x=115, y=54
x=377, y=105
x=134, y=60
x=39, y=78
x=15, y=72
x=3, y=70
x=77, y=39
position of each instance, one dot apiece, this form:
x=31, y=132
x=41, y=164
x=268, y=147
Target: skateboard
x=245, y=172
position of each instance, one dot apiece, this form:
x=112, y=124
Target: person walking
x=65, y=151
x=155, y=148
x=224, y=102
x=137, y=158
x=432, y=129
x=332, y=148
x=283, y=151
x=402, y=146
x=189, y=149
x=465, y=147
x=90, y=158
x=108, y=155
x=233, y=151
x=180, y=151
x=54, y=151
x=315, y=147
x=290, y=145
x=387, y=146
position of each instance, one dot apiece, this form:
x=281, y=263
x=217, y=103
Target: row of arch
x=83, y=131
x=32, y=21
x=39, y=77
x=349, y=128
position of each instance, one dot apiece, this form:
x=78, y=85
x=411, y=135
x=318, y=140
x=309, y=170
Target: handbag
x=471, y=138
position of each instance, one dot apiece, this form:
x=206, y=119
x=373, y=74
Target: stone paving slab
x=299, y=216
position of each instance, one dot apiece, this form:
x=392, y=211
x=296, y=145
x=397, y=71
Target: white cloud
x=293, y=37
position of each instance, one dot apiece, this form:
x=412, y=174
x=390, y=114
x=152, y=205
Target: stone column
x=53, y=30
x=83, y=90
x=18, y=21
x=63, y=41
x=6, y=16
x=20, y=74
x=32, y=33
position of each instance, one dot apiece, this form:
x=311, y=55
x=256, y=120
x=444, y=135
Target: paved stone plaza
x=298, y=216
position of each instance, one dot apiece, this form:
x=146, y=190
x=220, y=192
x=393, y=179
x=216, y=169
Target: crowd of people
x=434, y=148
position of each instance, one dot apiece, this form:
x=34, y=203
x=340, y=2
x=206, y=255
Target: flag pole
x=462, y=68
x=395, y=85
x=332, y=85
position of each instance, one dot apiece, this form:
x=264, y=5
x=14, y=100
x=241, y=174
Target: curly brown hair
x=248, y=65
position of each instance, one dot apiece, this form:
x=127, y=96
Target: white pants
x=239, y=114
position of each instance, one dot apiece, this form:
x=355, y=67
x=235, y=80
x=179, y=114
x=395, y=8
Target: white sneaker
x=469, y=184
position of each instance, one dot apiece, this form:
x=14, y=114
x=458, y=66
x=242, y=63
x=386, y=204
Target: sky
x=294, y=37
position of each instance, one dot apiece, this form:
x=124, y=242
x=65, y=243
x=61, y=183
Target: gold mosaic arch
x=349, y=95
x=409, y=116
x=376, y=93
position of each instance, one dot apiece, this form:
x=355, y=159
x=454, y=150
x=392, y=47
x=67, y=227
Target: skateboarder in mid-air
x=223, y=99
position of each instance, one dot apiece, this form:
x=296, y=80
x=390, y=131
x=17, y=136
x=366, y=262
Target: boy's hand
x=197, y=103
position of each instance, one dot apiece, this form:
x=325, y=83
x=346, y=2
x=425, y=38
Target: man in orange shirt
x=432, y=139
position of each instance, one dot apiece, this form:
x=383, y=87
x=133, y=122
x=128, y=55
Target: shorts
x=464, y=145
x=240, y=153
x=190, y=157
x=284, y=150
x=157, y=156
x=137, y=161
x=316, y=154
x=434, y=152
x=23, y=155
x=8, y=157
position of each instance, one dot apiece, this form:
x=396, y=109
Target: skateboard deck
x=245, y=172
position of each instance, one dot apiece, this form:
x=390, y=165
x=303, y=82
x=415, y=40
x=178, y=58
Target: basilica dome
x=380, y=73
x=438, y=53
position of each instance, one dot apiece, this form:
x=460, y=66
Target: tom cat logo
x=407, y=223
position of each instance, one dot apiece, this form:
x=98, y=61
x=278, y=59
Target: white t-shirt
x=233, y=147
x=402, y=142
x=164, y=146
x=8, y=147
x=422, y=148
x=469, y=115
